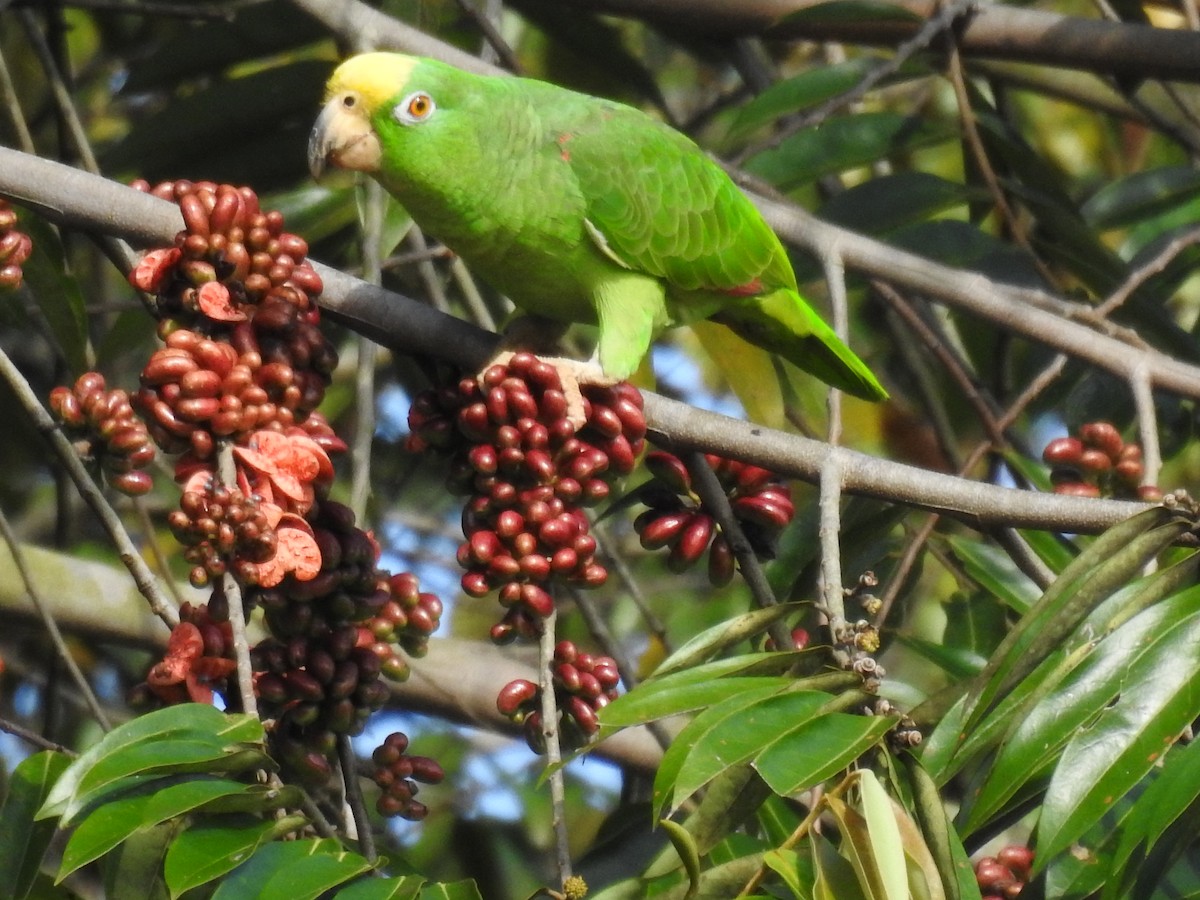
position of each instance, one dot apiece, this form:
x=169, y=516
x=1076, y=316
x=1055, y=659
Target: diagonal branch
x=67, y=195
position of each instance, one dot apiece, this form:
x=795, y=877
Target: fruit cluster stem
x=553, y=752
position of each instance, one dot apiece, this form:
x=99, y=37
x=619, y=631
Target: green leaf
x=1141, y=195
x=167, y=757
x=186, y=719
x=786, y=863
x=1075, y=705
x=719, y=735
x=887, y=845
x=996, y=573
x=1156, y=701
x=684, y=698
x=217, y=795
x=25, y=840
x=101, y=830
x=134, y=869
x=724, y=635
x=1174, y=789
x=403, y=887
x=842, y=143
x=1112, y=559
x=806, y=90
x=882, y=205
x=805, y=753
x=455, y=890
x=216, y=845
x=689, y=854
x=293, y=870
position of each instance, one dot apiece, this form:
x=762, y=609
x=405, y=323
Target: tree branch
x=992, y=32
x=68, y=196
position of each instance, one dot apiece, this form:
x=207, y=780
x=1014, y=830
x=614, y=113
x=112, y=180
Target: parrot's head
x=368, y=100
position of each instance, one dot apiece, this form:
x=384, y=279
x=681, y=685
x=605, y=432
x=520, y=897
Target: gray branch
x=71, y=197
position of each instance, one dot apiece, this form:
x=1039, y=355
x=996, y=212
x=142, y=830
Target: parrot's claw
x=573, y=374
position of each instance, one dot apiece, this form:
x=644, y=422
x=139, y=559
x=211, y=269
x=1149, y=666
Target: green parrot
x=579, y=209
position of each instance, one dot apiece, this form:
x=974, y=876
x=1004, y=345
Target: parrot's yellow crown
x=375, y=77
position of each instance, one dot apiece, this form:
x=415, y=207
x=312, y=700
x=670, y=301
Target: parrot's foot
x=573, y=373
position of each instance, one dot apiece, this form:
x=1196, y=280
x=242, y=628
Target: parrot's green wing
x=656, y=204
x=665, y=209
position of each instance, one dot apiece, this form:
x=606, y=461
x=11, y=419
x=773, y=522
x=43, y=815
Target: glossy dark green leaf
x=187, y=720
x=25, y=840
x=1074, y=705
x=219, y=795
x=801, y=92
x=882, y=205
x=1154, y=701
x=1141, y=195
x=805, y=753
x=208, y=48
x=216, y=845
x=293, y=870
x=101, y=830
x=134, y=868
x=1175, y=788
x=264, y=116
x=1112, y=559
x=723, y=735
x=995, y=571
x=167, y=757
x=684, y=698
x=842, y=143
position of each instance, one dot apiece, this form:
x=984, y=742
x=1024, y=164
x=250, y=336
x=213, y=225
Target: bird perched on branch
x=579, y=209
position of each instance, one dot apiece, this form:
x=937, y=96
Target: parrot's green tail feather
x=783, y=323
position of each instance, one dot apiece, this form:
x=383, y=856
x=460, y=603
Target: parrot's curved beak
x=343, y=137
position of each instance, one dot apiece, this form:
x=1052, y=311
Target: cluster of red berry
x=1001, y=877
x=529, y=475
x=320, y=672
x=1096, y=462
x=106, y=431
x=244, y=367
x=677, y=518
x=583, y=685
x=15, y=247
x=397, y=774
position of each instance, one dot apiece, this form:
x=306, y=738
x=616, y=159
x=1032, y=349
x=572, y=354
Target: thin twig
x=364, y=369
x=941, y=22
x=8, y=96
x=1147, y=422
x=227, y=476
x=32, y=737
x=56, y=637
x=550, y=733
x=132, y=559
x=616, y=562
x=716, y=502
x=830, y=483
x=150, y=539
x=354, y=797
x=492, y=35
x=966, y=115
x=1147, y=270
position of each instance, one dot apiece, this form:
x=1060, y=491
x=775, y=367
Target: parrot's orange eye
x=414, y=108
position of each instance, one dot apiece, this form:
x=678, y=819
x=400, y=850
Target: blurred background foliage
x=1098, y=176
